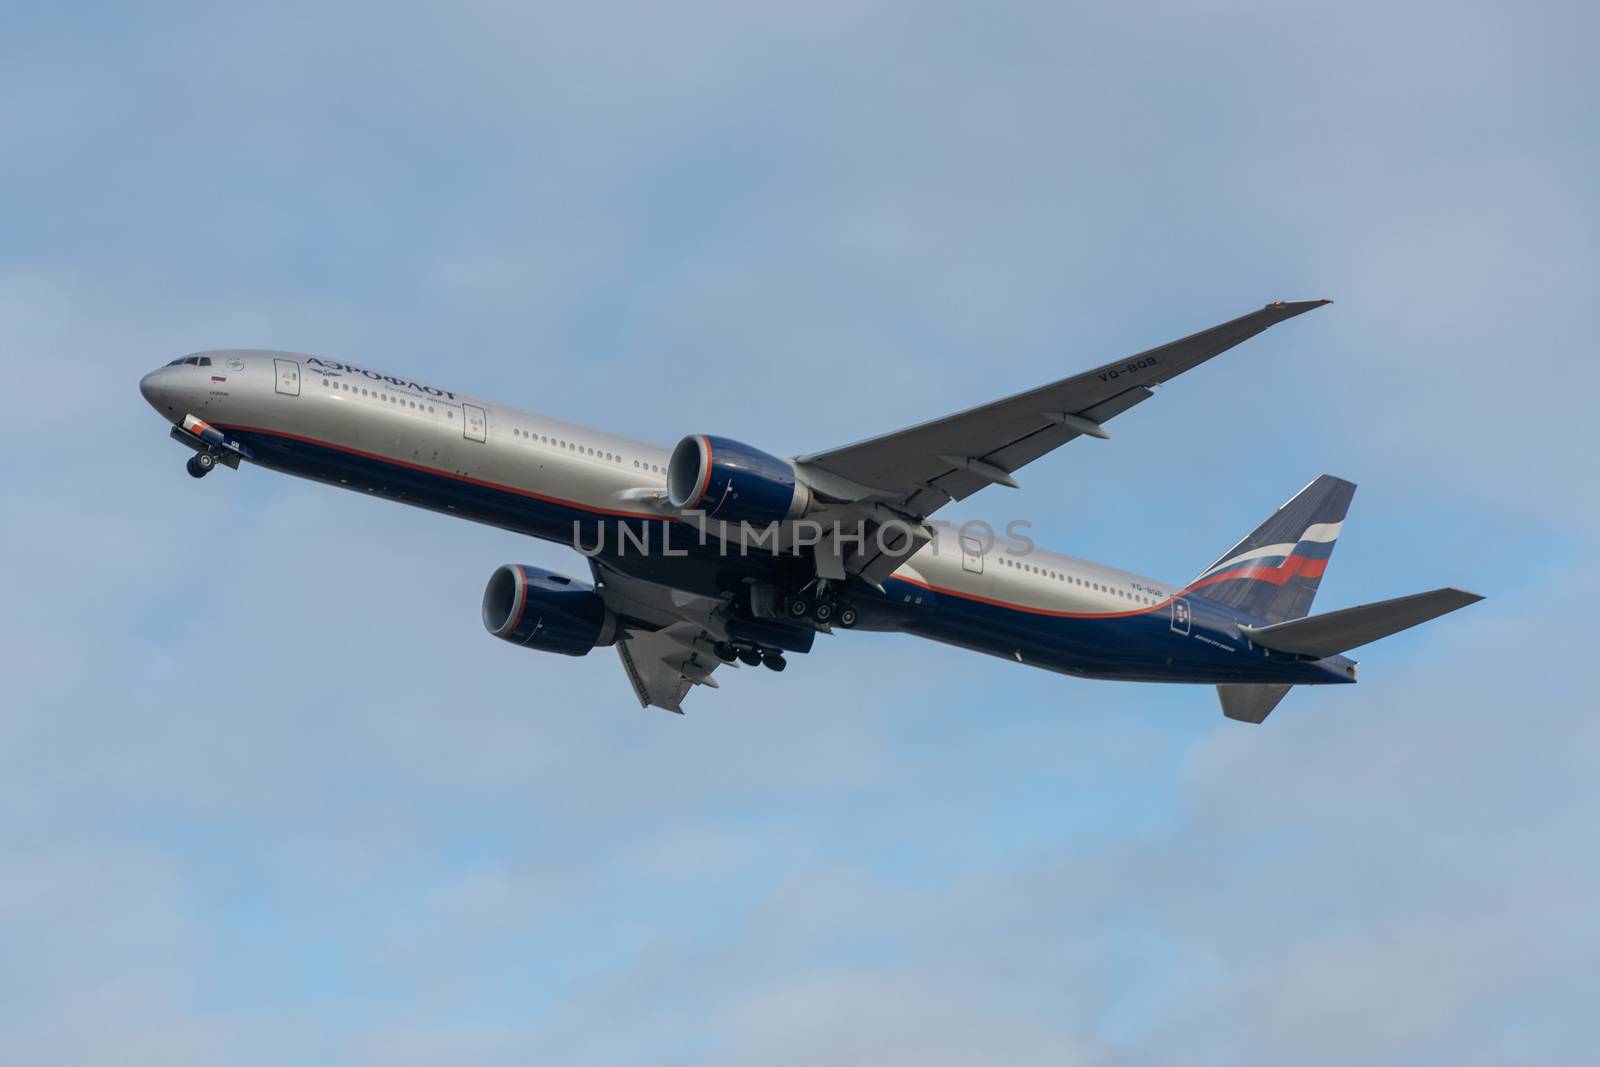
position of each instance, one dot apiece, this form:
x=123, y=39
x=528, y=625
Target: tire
x=724, y=652
x=195, y=468
x=823, y=611
x=848, y=617
x=774, y=662
x=799, y=608
x=205, y=460
x=749, y=657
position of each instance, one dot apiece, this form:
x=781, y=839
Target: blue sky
x=269, y=793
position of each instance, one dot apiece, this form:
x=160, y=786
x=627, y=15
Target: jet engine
x=535, y=608
x=733, y=482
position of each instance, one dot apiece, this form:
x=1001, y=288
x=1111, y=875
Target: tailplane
x=1273, y=573
x=1334, y=632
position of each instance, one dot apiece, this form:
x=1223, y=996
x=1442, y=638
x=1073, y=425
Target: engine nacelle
x=733, y=482
x=534, y=608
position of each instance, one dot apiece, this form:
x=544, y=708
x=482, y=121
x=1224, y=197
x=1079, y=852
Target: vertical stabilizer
x=1273, y=573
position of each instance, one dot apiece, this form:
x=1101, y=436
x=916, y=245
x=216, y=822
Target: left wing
x=921, y=468
x=912, y=473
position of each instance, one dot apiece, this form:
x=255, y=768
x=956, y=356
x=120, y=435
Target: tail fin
x=1273, y=573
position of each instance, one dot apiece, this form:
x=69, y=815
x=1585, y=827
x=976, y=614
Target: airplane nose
x=150, y=389
x=158, y=390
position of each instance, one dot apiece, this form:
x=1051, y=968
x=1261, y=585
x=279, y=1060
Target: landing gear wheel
x=848, y=617
x=799, y=608
x=724, y=651
x=200, y=464
x=823, y=611
x=774, y=661
x=750, y=657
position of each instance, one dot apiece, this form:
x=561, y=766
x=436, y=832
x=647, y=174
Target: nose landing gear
x=200, y=464
x=209, y=445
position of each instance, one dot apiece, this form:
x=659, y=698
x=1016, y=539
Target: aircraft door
x=474, y=423
x=971, y=554
x=288, y=376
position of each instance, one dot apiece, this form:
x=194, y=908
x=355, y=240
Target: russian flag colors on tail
x=1273, y=573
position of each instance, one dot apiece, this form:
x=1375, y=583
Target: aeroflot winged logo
x=333, y=368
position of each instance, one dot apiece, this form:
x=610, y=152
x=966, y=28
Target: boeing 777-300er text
x=716, y=552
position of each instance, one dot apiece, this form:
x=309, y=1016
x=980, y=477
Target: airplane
x=715, y=552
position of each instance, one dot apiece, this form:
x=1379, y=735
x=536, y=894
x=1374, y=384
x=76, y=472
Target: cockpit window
x=205, y=361
x=191, y=361
x=177, y=362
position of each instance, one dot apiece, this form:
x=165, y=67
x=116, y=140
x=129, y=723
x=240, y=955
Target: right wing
x=665, y=664
x=668, y=634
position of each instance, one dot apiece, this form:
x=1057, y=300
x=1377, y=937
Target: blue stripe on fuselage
x=1154, y=645
x=1133, y=646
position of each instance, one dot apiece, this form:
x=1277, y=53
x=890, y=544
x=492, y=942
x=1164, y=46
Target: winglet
x=1297, y=307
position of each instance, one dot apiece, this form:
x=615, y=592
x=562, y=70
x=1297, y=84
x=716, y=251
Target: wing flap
x=662, y=667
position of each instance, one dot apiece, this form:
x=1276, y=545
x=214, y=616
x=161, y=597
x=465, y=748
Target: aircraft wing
x=667, y=636
x=665, y=664
x=920, y=469
x=914, y=472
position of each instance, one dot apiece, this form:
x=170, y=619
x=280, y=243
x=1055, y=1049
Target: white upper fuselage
x=385, y=417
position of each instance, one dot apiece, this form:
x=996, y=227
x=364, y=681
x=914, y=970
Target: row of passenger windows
x=582, y=450
x=1060, y=576
x=526, y=435
x=387, y=398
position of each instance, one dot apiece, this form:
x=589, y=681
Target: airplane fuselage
x=415, y=443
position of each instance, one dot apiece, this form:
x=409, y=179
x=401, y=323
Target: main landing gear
x=750, y=655
x=200, y=464
x=824, y=610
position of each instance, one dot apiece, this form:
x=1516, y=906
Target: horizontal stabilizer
x=1338, y=631
x=1250, y=703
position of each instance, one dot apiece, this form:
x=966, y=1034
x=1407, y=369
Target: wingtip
x=1296, y=307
